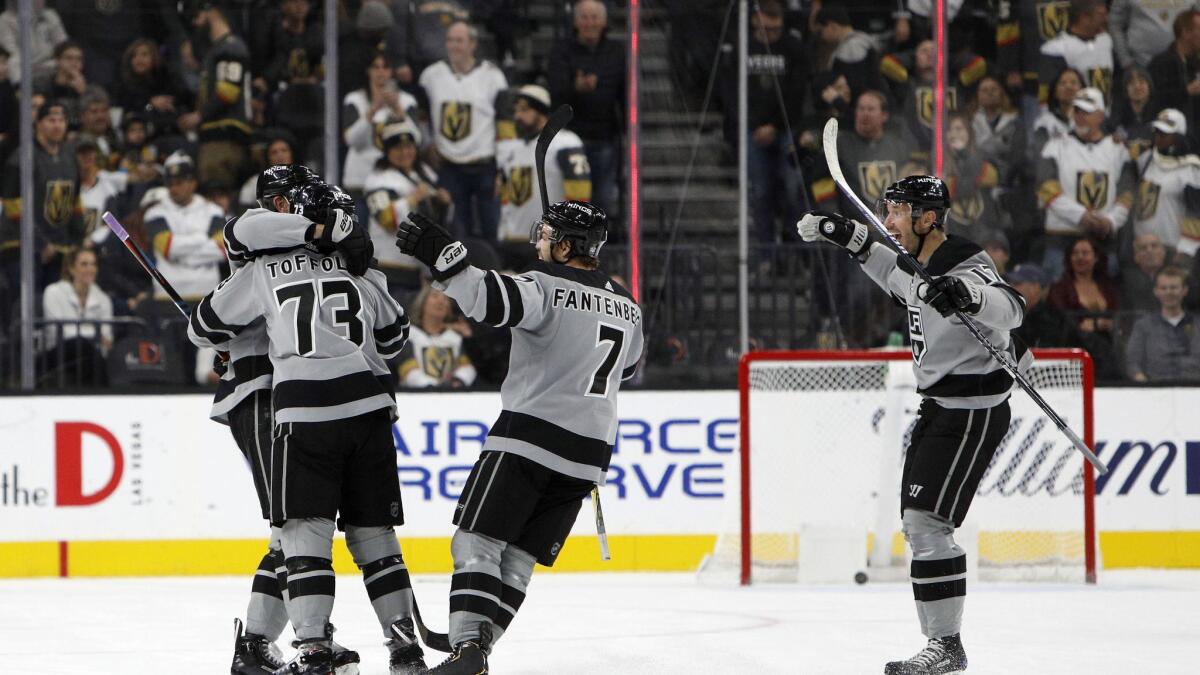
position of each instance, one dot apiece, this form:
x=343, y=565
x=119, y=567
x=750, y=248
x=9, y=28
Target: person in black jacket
x=1176, y=72
x=1044, y=325
x=778, y=80
x=588, y=72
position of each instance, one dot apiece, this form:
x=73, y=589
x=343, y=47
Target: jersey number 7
x=304, y=294
x=615, y=337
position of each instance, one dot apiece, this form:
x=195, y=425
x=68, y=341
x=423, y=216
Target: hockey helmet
x=582, y=224
x=282, y=179
x=319, y=195
x=922, y=193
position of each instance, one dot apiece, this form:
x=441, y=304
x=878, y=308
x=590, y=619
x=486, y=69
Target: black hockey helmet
x=282, y=179
x=319, y=195
x=922, y=193
x=584, y=225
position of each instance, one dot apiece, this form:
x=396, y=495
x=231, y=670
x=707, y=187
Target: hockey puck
x=860, y=578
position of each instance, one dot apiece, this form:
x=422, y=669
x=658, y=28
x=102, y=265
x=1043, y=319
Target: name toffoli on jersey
x=300, y=261
x=588, y=301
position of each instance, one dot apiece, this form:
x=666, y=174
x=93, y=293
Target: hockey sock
x=377, y=554
x=938, y=571
x=308, y=552
x=476, y=587
x=266, y=614
x=516, y=569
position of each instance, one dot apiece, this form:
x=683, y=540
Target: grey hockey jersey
x=950, y=365
x=330, y=332
x=576, y=336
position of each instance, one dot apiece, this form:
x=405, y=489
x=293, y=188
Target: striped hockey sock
x=266, y=614
x=390, y=589
x=310, y=583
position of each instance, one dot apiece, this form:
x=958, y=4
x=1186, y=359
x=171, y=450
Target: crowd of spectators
x=1070, y=141
x=164, y=111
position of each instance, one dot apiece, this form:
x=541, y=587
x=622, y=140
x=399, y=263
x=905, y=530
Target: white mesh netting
x=826, y=446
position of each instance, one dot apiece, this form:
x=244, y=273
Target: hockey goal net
x=822, y=445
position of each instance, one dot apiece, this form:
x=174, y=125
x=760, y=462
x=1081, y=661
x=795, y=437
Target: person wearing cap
x=568, y=176
x=399, y=184
x=1176, y=71
x=185, y=230
x=57, y=211
x=1044, y=324
x=224, y=128
x=1085, y=181
x=99, y=190
x=1085, y=46
x=1168, y=194
x=995, y=244
x=462, y=91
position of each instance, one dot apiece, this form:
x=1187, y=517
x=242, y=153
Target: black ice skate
x=407, y=657
x=253, y=654
x=321, y=656
x=468, y=659
x=942, y=656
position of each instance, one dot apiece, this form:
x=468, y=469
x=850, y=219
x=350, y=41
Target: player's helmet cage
x=922, y=193
x=584, y=225
x=282, y=179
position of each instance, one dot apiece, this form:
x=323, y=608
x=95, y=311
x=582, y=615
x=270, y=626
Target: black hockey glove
x=430, y=243
x=838, y=229
x=947, y=294
x=344, y=233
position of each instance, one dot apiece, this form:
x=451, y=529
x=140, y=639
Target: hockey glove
x=430, y=243
x=344, y=233
x=838, y=229
x=948, y=294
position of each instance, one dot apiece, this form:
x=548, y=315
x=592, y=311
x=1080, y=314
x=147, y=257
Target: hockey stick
x=601, y=532
x=147, y=264
x=558, y=119
x=829, y=140
x=432, y=639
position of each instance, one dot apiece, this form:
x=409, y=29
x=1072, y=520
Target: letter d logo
x=68, y=455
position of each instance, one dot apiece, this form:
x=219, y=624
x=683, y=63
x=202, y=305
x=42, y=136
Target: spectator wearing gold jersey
x=434, y=355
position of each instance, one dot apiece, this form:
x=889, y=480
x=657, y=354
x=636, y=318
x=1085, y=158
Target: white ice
x=1132, y=622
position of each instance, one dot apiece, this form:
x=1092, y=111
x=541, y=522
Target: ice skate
x=941, y=656
x=321, y=656
x=468, y=659
x=253, y=654
x=406, y=655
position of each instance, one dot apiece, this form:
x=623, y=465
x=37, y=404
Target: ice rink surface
x=1131, y=623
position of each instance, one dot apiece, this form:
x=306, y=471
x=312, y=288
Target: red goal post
x=1069, y=370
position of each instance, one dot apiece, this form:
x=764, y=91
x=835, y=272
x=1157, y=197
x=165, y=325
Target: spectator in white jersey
x=186, y=234
x=363, y=112
x=434, y=355
x=576, y=336
x=399, y=183
x=1085, y=182
x=568, y=175
x=1085, y=46
x=99, y=190
x=462, y=92
x=1168, y=194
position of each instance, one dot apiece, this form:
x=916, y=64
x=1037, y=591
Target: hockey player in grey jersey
x=576, y=336
x=332, y=452
x=964, y=411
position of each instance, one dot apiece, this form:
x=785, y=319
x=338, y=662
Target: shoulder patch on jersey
x=952, y=252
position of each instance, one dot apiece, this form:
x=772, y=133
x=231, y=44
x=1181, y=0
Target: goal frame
x=1087, y=373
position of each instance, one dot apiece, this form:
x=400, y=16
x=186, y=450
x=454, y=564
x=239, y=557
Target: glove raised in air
x=431, y=244
x=949, y=294
x=835, y=228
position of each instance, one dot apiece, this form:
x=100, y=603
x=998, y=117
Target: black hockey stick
x=829, y=140
x=432, y=639
x=147, y=264
x=558, y=119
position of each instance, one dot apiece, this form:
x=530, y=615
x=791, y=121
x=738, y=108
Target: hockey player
x=332, y=451
x=576, y=335
x=964, y=412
